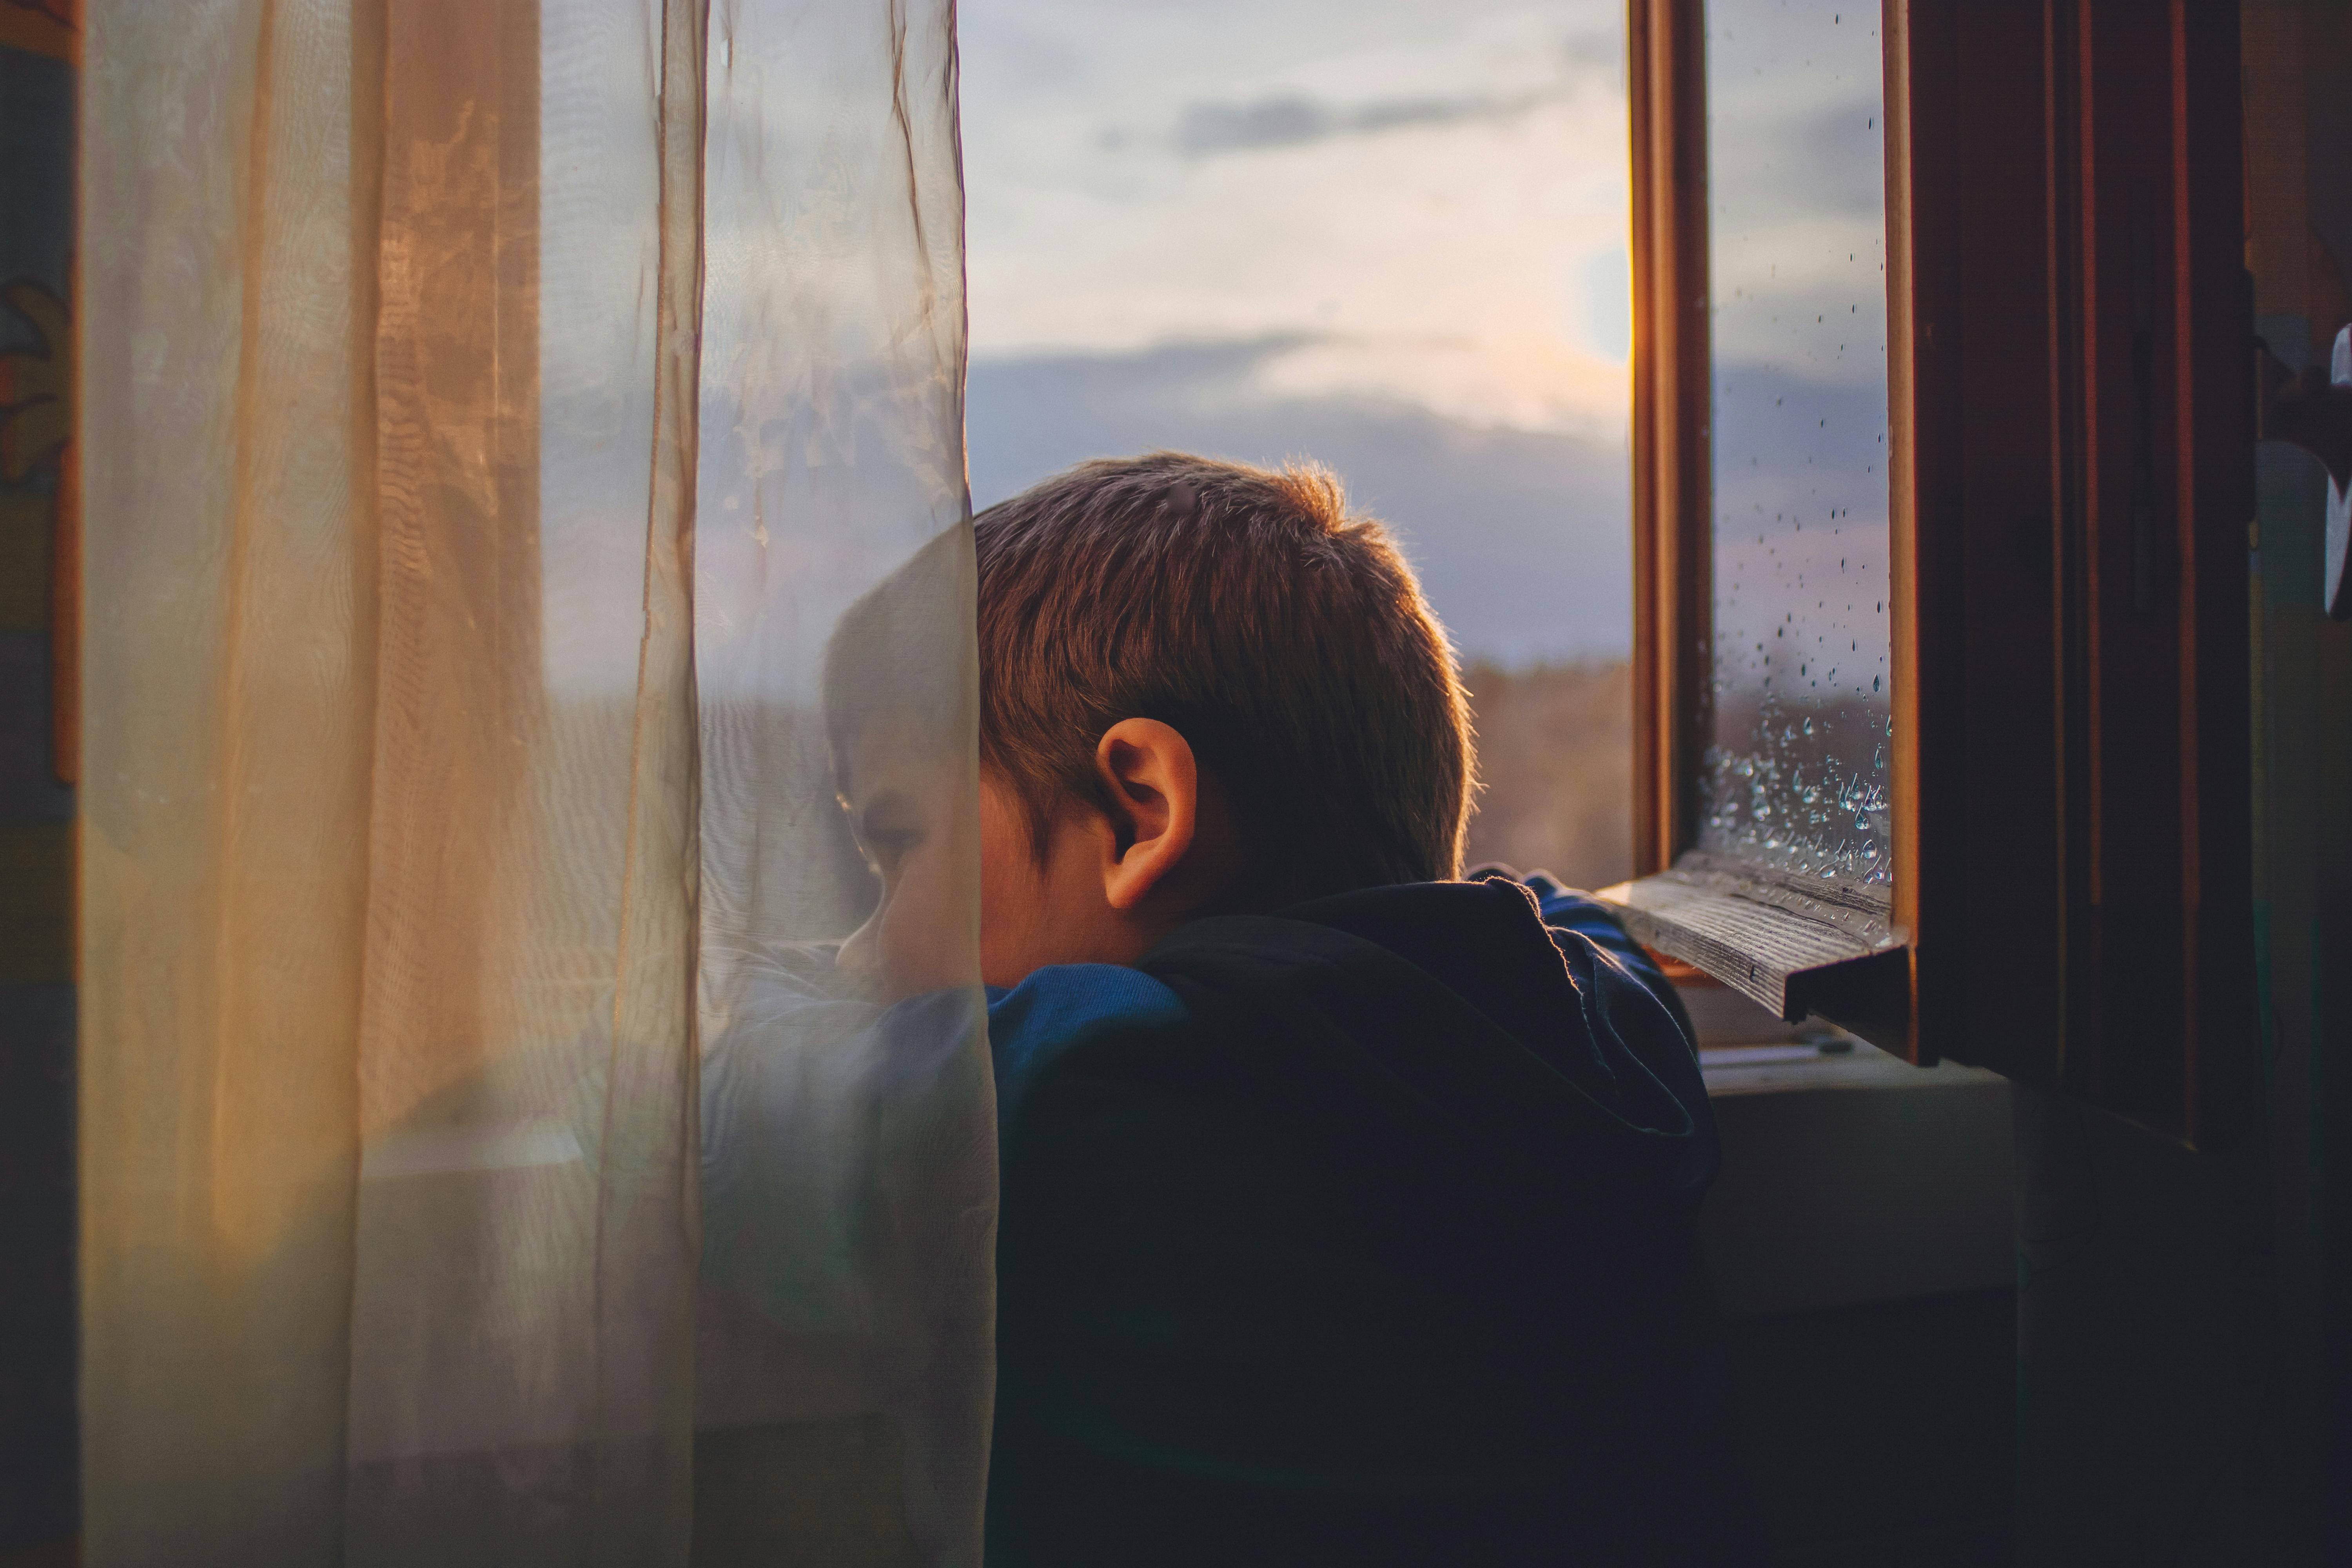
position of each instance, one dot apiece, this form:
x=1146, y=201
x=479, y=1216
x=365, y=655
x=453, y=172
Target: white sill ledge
x=1845, y=1063
x=1851, y=1176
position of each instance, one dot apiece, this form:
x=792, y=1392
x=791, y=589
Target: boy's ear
x=1153, y=784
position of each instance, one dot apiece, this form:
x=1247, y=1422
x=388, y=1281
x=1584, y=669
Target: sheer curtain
x=524, y=506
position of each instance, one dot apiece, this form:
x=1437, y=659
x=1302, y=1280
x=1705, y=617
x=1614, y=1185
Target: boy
x=1346, y=1209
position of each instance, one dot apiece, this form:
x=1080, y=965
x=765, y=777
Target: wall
x=2182, y=1380
x=38, y=46
x=1859, y=1238
x=2298, y=73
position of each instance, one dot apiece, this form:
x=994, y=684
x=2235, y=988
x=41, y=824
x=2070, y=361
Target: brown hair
x=1287, y=641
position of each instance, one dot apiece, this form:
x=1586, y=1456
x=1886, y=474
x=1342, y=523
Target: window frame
x=2068, y=338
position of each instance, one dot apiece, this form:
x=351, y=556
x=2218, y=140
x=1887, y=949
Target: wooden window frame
x=2068, y=339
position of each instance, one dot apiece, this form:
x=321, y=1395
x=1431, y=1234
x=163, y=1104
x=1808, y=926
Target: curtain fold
x=524, y=502
x=847, y=1300
x=227, y=724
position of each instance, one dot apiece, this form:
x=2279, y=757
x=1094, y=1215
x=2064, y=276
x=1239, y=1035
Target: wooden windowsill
x=1794, y=948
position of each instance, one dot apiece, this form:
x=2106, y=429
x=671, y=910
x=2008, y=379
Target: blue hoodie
x=1362, y=1233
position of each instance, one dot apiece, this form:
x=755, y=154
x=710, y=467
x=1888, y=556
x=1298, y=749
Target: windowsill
x=1793, y=947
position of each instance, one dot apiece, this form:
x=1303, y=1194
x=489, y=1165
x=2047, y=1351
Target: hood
x=1481, y=1037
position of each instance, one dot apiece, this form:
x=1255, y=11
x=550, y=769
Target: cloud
x=1281, y=122
x=1815, y=159
x=1497, y=380
x=1211, y=126
x=1523, y=538
x=1207, y=127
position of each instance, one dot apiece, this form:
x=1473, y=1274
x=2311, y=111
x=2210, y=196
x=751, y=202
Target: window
x=1794, y=774
x=1389, y=237
x=2005, y=820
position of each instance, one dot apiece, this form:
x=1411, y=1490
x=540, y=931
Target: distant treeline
x=1555, y=750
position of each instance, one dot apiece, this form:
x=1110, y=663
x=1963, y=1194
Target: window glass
x=1387, y=235
x=1796, y=776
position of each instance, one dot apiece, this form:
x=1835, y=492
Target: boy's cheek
x=923, y=930
x=1016, y=912
x=999, y=891
x=999, y=919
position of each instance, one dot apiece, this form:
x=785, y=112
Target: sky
x=1388, y=237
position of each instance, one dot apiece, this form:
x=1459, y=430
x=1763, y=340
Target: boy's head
x=1202, y=686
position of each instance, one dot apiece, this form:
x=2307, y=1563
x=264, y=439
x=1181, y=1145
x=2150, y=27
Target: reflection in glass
x=1796, y=774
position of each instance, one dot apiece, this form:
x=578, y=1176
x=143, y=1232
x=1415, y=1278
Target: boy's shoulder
x=1066, y=1002
x=1063, y=1009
